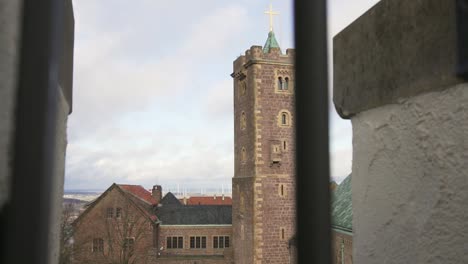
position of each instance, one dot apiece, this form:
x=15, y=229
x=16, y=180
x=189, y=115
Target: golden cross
x=271, y=13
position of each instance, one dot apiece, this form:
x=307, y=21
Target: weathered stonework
x=260, y=212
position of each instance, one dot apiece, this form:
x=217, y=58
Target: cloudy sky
x=153, y=92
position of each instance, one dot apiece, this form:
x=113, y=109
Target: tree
x=66, y=233
x=123, y=235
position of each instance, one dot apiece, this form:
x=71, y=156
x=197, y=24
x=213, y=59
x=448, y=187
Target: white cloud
x=152, y=92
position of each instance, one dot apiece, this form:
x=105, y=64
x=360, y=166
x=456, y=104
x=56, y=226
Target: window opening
x=198, y=242
x=243, y=155
x=129, y=244
x=220, y=241
x=284, y=119
x=118, y=213
x=243, y=121
x=243, y=88
x=98, y=245
x=110, y=212
x=286, y=83
x=280, y=83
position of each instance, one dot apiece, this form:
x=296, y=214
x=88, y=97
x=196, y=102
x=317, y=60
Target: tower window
x=243, y=155
x=282, y=233
x=280, y=83
x=286, y=83
x=243, y=121
x=284, y=145
x=281, y=190
x=243, y=89
x=284, y=118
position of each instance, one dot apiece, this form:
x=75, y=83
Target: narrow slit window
x=243, y=121
x=243, y=155
x=284, y=145
x=284, y=119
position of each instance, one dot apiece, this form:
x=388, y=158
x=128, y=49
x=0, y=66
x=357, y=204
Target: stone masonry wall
x=266, y=201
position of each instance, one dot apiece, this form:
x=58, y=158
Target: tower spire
x=271, y=13
x=271, y=40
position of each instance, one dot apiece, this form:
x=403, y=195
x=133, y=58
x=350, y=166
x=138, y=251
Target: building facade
x=264, y=178
x=129, y=224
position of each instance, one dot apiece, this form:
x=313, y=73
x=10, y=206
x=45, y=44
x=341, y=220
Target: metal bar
x=312, y=149
x=462, y=38
x=28, y=214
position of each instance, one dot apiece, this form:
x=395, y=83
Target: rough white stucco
x=410, y=180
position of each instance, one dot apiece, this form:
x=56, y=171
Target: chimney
x=157, y=193
x=223, y=196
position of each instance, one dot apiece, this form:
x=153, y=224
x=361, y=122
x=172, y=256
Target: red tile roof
x=208, y=200
x=139, y=191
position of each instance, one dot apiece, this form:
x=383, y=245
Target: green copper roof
x=270, y=43
x=341, y=205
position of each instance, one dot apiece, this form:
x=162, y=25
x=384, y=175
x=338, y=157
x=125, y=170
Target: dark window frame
x=198, y=242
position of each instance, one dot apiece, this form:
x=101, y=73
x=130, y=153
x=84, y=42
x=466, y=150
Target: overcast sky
x=153, y=93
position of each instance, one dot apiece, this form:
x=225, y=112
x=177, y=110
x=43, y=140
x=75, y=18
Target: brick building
x=264, y=178
x=207, y=200
x=129, y=223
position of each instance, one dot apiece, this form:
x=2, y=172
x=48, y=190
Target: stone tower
x=264, y=177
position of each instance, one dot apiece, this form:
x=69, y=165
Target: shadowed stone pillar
x=395, y=78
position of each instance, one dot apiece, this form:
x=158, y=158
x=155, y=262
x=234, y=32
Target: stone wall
x=263, y=184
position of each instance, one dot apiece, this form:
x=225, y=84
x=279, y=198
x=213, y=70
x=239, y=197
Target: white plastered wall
x=410, y=180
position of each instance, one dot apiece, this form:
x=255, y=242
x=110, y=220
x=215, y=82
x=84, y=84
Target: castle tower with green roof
x=263, y=212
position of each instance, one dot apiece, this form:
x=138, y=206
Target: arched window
x=284, y=119
x=243, y=155
x=286, y=83
x=243, y=88
x=280, y=83
x=243, y=121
